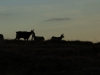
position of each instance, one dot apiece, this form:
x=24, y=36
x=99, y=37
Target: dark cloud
x=5, y=14
x=57, y=19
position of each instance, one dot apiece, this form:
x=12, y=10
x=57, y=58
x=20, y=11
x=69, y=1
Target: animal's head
x=62, y=35
x=32, y=31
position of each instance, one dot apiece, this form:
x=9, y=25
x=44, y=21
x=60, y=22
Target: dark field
x=49, y=58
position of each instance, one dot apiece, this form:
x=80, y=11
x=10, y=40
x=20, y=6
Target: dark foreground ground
x=49, y=58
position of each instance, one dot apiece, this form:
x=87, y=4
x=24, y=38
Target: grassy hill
x=49, y=58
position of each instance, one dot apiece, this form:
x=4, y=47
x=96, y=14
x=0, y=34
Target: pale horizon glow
x=76, y=19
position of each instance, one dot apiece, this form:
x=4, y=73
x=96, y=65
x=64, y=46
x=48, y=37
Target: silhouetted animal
x=1, y=37
x=37, y=38
x=57, y=38
x=23, y=34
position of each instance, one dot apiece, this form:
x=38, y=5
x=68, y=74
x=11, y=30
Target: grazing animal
x=37, y=38
x=23, y=34
x=57, y=38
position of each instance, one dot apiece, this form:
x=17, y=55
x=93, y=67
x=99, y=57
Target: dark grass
x=49, y=58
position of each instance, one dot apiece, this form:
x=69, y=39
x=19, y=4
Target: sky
x=76, y=19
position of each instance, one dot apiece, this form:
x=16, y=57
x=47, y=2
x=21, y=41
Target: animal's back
x=42, y=38
x=55, y=38
x=23, y=34
x=39, y=39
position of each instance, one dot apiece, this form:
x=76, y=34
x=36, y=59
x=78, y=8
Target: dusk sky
x=76, y=19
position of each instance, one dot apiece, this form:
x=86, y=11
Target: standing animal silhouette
x=23, y=34
x=57, y=38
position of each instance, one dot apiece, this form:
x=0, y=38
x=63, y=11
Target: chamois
x=57, y=38
x=23, y=34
